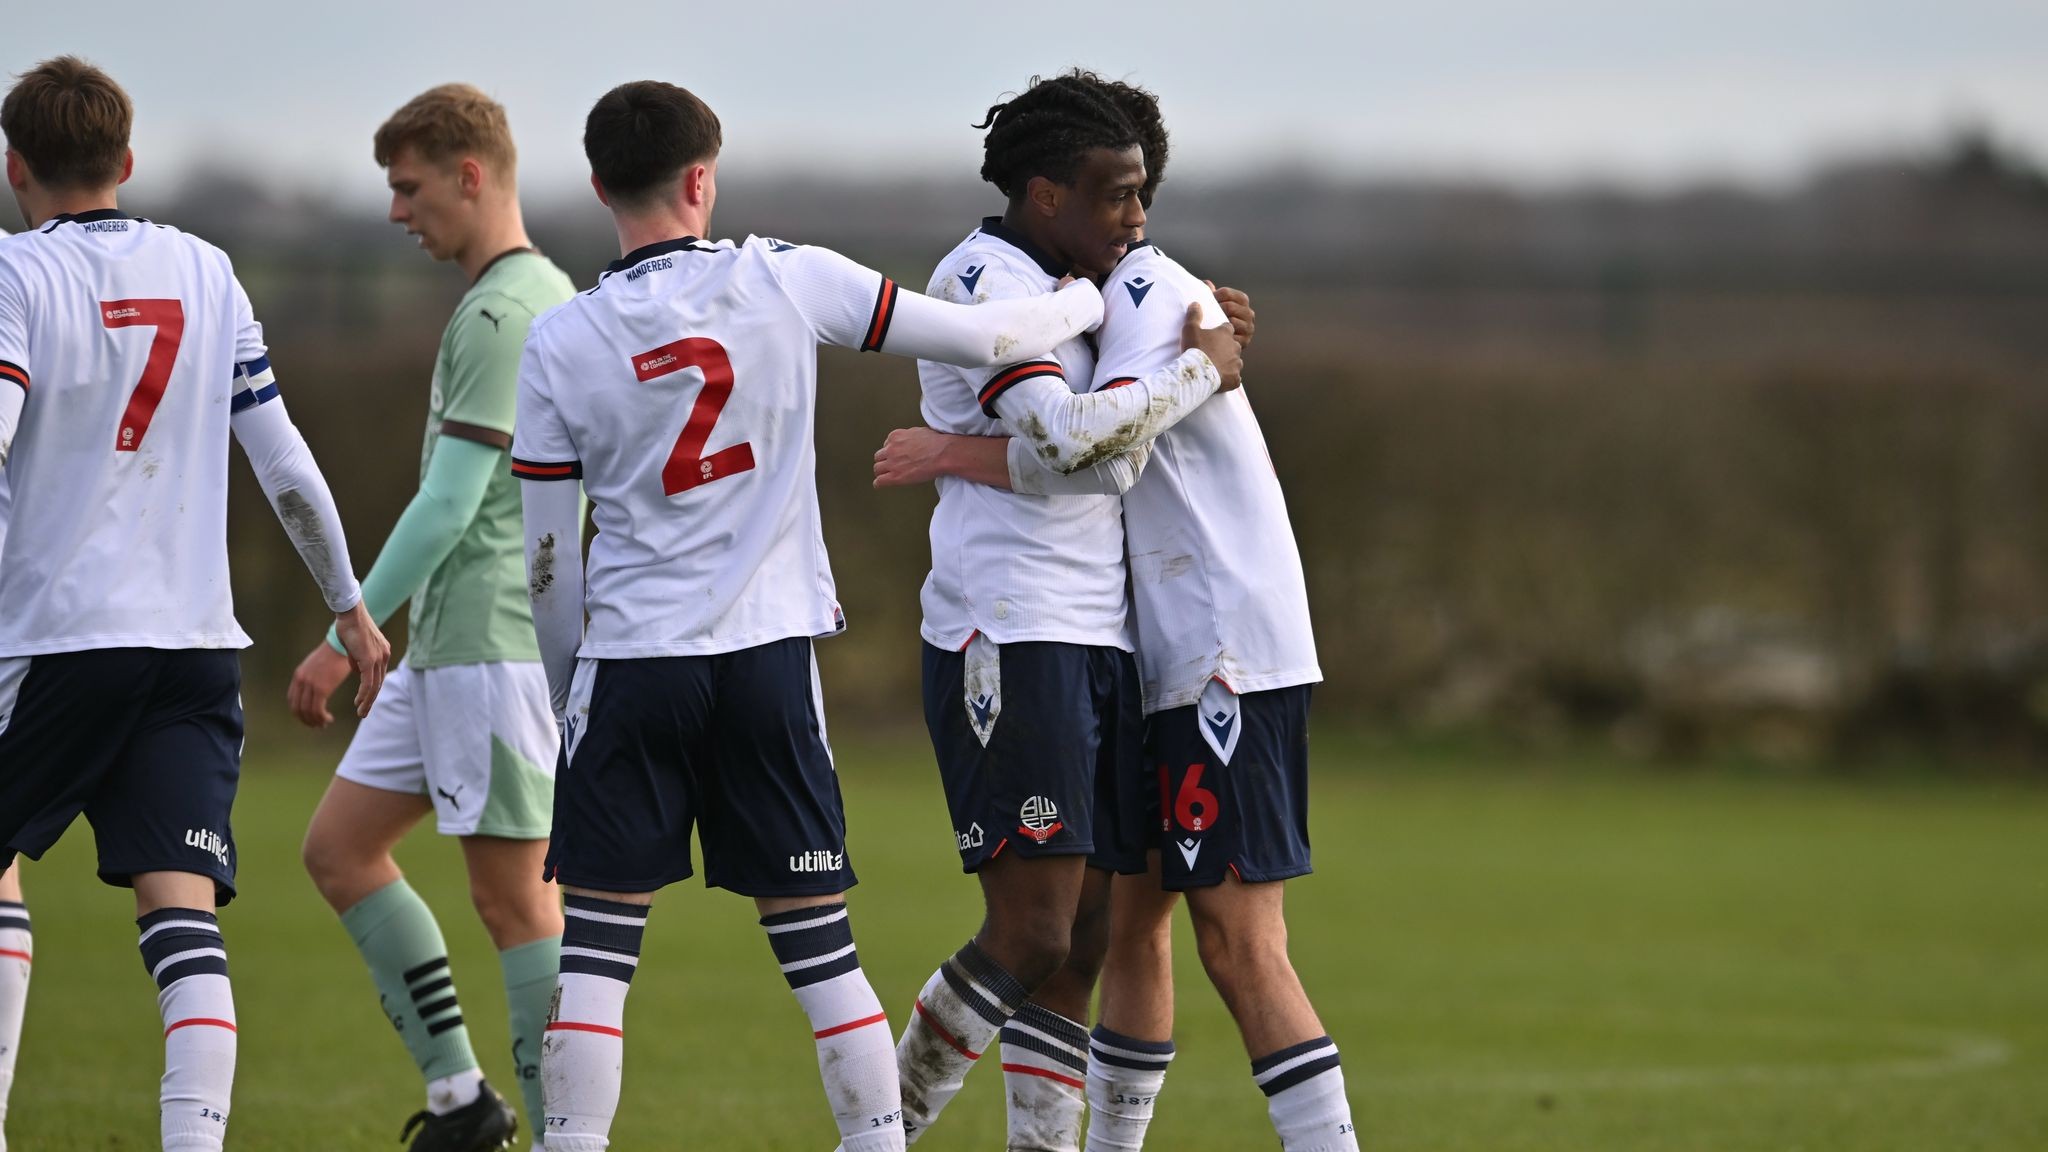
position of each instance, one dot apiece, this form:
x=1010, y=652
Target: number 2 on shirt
x=168, y=318
x=687, y=465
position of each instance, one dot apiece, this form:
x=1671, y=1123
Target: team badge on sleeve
x=984, y=680
x=1219, y=719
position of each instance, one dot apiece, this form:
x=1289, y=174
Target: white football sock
x=183, y=951
x=814, y=947
x=1045, y=1065
x=584, y=1050
x=1304, y=1087
x=16, y=949
x=957, y=1016
x=1125, y=1076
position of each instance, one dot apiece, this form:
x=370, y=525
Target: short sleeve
x=15, y=366
x=1142, y=318
x=253, y=382
x=846, y=303
x=480, y=384
x=541, y=446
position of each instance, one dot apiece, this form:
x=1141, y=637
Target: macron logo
x=972, y=276
x=1137, y=286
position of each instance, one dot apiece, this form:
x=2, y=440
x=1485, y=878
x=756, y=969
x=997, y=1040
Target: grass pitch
x=1515, y=953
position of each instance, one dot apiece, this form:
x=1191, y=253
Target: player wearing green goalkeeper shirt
x=463, y=729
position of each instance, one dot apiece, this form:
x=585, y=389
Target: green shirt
x=474, y=607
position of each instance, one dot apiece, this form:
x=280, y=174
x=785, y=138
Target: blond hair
x=447, y=123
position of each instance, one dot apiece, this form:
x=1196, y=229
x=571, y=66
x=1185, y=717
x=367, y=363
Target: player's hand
x=910, y=456
x=1238, y=307
x=367, y=649
x=1218, y=343
x=319, y=674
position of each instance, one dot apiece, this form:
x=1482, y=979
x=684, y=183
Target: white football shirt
x=134, y=342
x=682, y=390
x=1015, y=567
x=1216, y=578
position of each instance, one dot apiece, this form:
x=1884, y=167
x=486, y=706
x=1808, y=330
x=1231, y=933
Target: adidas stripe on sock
x=184, y=953
x=1045, y=1069
x=856, y=1059
x=583, y=1053
x=1304, y=1087
x=1125, y=1075
x=956, y=1017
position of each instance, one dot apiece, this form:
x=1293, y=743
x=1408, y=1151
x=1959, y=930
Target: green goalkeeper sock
x=530, y=971
x=397, y=935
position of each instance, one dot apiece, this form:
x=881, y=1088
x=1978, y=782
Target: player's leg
x=64, y=720
x=379, y=793
x=774, y=828
x=1046, y=1045
x=1132, y=1044
x=162, y=820
x=1238, y=778
x=626, y=797
x=16, y=950
x=491, y=743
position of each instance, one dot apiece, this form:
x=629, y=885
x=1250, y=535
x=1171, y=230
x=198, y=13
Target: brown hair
x=70, y=122
x=640, y=137
x=446, y=123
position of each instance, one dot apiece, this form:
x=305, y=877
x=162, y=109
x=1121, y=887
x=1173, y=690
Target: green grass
x=1515, y=952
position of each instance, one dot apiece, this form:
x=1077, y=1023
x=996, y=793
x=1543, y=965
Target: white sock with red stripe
x=583, y=1054
x=15, y=951
x=814, y=946
x=183, y=951
x=1045, y=1070
x=958, y=1013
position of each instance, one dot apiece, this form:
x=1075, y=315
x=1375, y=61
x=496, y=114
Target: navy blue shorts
x=1247, y=815
x=733, y=744
x=147, y=742
x=1063, y=725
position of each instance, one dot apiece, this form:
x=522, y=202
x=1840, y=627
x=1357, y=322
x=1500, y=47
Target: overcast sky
x=1645, y=92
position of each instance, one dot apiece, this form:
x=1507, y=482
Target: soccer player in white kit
x=1031, y=695
x=128, y=353
x=1227, y=657
x=681, y=392
x=16, y=946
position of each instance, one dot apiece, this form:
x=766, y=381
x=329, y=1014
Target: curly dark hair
x=1142, y=109
x=1046, y=129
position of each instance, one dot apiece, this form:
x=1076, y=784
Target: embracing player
x=128, y=353
x=464, y=730
x=681, y=391
x=1227, y=658
x=1031, y=694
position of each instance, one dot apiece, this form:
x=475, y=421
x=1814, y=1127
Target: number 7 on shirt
x=168, y=318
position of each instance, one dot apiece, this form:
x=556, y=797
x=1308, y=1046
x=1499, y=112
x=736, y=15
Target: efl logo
x=1039, y=819
x=114, y=314
x=661, y=361
x=818, y=862
x=206, y=841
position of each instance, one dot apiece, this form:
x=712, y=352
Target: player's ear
x=470, y=176
x=17, y=171
x=597, y=186
x=127, y=166
x=697, y=184
x=1043, y=195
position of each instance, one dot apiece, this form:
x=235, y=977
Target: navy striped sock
x=602, y=937
x=1304, y=1087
